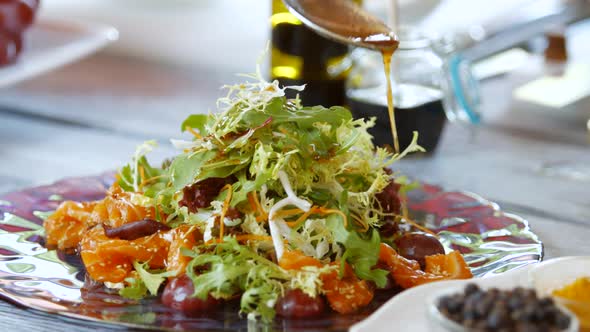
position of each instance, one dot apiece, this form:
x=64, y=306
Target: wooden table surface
x=89, y=116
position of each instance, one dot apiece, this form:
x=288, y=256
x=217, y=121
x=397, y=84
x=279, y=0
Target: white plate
x=407, y=311
x=50, y=44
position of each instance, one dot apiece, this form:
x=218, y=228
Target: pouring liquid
x=344, y=21
x=387, y=54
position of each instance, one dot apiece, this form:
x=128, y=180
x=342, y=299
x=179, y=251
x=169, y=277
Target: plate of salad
x=272, y=215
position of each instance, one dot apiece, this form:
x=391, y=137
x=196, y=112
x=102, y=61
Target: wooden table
x=88, y=117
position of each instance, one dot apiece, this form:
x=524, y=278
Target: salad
x=289, y=210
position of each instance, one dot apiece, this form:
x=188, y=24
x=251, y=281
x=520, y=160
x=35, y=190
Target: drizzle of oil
x=387, y=55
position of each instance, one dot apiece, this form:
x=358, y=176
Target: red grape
x=416, y=246
x=17, y=15
x=10, y=47
x=178, y=294
x=296, y=304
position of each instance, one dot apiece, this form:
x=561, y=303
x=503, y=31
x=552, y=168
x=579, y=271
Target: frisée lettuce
x=301, y=179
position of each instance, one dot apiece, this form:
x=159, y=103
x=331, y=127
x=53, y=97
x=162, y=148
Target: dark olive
x=135, y=230
x=417, y=246
x=296, y=304
x=178, y=294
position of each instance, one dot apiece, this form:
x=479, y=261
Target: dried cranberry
x=388, y=198
x=199, y=195
x=233, y=213
x=389, y=228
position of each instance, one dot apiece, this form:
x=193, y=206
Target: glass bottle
x=301, y=56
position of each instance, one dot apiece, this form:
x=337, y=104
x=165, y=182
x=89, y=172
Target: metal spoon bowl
x=345, y=22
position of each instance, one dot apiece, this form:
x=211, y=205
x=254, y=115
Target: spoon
x=345, y=22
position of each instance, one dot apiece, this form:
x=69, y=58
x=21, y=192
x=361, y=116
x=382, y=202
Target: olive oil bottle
x=301, y=56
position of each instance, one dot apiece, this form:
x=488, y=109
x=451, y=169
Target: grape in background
x=15, y=17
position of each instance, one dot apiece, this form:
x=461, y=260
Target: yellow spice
x=579, y=290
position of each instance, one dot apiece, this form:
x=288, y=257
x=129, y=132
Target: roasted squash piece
x=66, y=226
x=184, y=236
x=347, y=294
x=112, y=260
x=118, y=208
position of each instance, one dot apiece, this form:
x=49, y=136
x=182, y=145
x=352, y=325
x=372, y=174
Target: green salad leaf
x=185, y=168
x=360, y=252
x=197, y=121
x=135, y=289
x=149, y=282
x=232, y=269
x=130, y=176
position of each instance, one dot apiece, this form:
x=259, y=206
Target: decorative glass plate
x=491, y=241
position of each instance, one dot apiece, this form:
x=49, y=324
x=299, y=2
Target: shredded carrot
x=141, y=175
x=213, y=241
x=192, y=131
x=248, y=237
x=251, y=199
x=406, y=217
x=287, y=213
x=256, y=206
x=420, y=227
x=146, y=181
x=323, y=210
x=189, y=232
x=157, y=211
x=224, y=209
x=244, y=238
x=357, y=220
x=302, y=218
x=313, y=210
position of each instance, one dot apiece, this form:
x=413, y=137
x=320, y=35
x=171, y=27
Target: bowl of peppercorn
x=476, y=309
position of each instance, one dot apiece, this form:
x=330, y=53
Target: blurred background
x=498, y=90
x=196, y=32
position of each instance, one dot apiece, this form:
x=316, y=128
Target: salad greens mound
x=295, y=177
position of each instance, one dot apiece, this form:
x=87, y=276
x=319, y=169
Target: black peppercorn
x=518, y=310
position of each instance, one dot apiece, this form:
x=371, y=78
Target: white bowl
x=557, y=273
